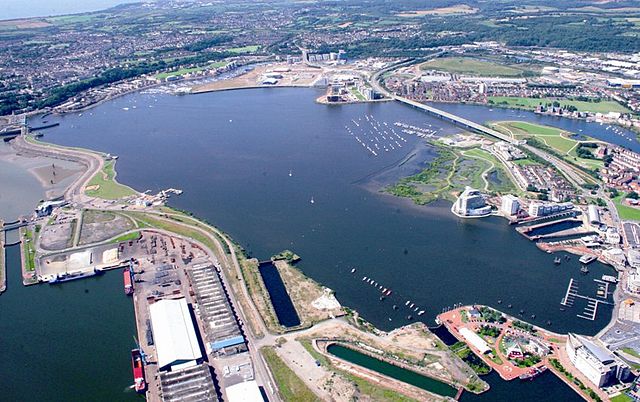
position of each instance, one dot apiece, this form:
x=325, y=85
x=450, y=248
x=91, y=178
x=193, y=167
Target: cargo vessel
x=72, y=276
x=128, y=283
x=137, y=364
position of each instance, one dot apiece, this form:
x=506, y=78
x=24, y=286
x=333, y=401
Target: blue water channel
x=282, y=304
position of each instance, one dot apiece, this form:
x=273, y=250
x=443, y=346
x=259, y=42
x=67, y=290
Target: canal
x=282, y=304
x=399, y=373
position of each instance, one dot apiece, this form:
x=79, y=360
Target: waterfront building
x=615, y=255
x=537, y=209
x=471, y=204
x=222, y=334
x=597, y=363
x=174, y=334
x=46, y=208
x=510, y=204
x=633, y=256
x=593, y=214
x=475, y=340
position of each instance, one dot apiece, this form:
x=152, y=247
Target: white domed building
x=471, y=204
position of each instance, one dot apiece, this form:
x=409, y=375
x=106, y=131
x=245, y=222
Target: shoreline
x=88, y=153
x=633, y=129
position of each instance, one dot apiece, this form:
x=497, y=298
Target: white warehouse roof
x=475, y=340
x=247, y=391
x=173, y=332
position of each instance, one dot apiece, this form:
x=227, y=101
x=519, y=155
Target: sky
x=12, y=9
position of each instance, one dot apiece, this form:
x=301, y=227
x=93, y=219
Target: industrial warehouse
x=184, y=315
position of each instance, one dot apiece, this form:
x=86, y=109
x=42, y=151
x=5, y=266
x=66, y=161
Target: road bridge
x=457, y=120
x=452, y=118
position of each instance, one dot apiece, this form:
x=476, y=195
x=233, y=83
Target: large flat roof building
x=475, y=340
x=222, y=334
x=174, y=334
x=247, y=391
x=597, y=363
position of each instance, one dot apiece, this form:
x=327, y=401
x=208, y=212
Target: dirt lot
x=99, y=226
x=304, y=292
x=297, y=75
x=57, y=236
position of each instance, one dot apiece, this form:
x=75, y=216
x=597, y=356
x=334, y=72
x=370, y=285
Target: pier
x=591, y=310
x=569, y=297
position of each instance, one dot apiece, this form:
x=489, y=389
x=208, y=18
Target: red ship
x=138, y=371
x=128, y=283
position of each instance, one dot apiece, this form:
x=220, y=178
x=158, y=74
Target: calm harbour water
x=67, y=342
x=232, y=153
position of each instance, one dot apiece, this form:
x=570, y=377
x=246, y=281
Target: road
x=94, y=163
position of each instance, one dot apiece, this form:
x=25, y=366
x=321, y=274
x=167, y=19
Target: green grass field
x=621, y=398
x=184, y=71
x=626, y=212
x=549, y=135
x=244, y=49
x=524, y=162
x=356, y=93
x=126, y=237
x=464, y=65
x=532, y=103
x=553, y=138
x=108, y=188
x=290, y=385
x=29, y=249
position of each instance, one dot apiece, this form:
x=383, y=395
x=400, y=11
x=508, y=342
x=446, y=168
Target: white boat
x=587, y=258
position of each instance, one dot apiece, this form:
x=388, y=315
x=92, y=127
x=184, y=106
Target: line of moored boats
x=386, y=292
x=374, y=136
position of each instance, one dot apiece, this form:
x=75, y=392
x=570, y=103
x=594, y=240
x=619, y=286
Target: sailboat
x=312, y=201
x=290, y=173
